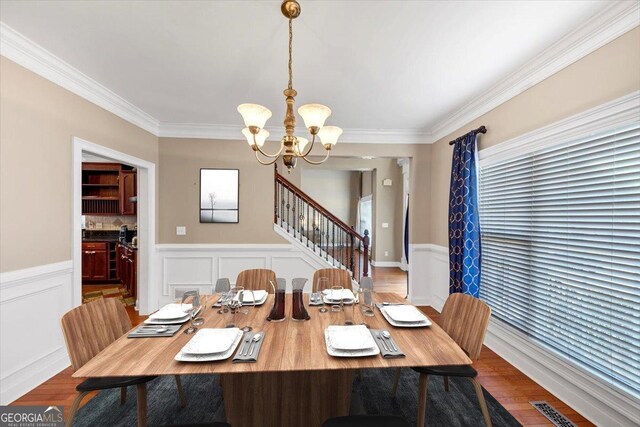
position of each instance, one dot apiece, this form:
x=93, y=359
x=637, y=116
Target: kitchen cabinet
x=127, y=189
x=95, y=261
x=127, y=267
x=106, y=189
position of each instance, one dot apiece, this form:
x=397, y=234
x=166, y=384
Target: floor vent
x=552, y=414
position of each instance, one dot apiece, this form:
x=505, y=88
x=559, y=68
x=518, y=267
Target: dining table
x=294, y=381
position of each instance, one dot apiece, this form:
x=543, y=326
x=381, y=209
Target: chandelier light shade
x=259, y=139
x=292, y=147
x=329, y=135
x=254, y=115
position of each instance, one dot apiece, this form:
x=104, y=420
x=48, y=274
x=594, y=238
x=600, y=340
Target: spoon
x=387, y=335
x=257, y=337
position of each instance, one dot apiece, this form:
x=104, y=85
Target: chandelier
x=314, y=115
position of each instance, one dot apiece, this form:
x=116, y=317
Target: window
x=561, y=249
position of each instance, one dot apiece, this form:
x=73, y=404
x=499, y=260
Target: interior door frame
x=146, y=219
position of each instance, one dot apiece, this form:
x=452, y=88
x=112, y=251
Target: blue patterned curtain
x=464, y=226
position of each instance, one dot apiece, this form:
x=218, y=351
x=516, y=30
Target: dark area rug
x=371, y=395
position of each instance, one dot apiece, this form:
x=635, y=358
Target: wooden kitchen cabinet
x=95, y=261
x=128, y=189
x=127, y=267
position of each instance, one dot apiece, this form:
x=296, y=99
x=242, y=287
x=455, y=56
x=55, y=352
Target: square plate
x=350, y=338
x=421, y=324
x=172, y=321
x=404, y=313
x=348, y=353
x=210, y=341
x=345, y=295
x=259, y=295
x=183, y=357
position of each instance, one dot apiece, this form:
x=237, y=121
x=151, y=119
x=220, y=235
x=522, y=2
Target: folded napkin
x=384, y=349
x=146, y=331
x=244, y=346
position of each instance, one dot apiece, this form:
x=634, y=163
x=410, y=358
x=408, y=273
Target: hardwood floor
x=507, y=384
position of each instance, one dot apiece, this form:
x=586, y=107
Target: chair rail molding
x=588, y=394
x=26, y=363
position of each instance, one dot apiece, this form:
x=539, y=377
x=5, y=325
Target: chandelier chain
x=290, y=49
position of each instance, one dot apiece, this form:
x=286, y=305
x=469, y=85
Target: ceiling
x=379, y=65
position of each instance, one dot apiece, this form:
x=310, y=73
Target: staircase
x=305, y=222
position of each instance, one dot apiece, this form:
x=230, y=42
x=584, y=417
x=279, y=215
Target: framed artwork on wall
x=219, y=195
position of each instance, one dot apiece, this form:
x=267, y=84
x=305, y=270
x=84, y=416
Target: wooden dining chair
x=465, y=320
x=89, y=329
x=336, y=276
x=256, y=279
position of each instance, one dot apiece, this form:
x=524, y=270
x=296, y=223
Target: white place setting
x=350, y=341
x=404, y=316
x=210, y=344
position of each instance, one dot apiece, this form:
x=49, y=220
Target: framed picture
x=219, y=194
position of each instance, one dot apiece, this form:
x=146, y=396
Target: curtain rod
x=481, y=129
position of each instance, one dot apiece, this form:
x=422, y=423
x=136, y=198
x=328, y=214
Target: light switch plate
x=386, y=253
x=181, y=230
x=385, y=225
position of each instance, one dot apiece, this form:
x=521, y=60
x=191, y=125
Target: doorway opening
x=113, y=227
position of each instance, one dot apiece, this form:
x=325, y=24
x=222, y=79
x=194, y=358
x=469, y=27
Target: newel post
x=365, y=266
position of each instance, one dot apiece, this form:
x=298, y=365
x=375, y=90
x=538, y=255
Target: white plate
x=421, y=324
x=351, y=338
x=184, y=319
x=183, y=357
x=168, y=314
x=404, y=313
x=345, y=295
x=347, y=353
x=209, y=341
x=260, y=296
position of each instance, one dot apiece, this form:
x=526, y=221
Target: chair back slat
x=336, y=276
x=90, y=328
x=256, y=279
x=465, y=319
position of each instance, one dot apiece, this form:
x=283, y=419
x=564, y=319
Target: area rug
x=371, y=395
x=119, y=293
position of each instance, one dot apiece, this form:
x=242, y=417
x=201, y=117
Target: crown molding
x=35, y=58
x=600, y=29
x=350, y=135
x=619, y=18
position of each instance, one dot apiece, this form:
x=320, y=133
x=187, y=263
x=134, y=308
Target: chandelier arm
x=265, y=163
x=266, y=154
x=317, y=163
x=313, y=139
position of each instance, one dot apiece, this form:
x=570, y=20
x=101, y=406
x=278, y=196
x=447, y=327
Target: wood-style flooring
x=507, y=384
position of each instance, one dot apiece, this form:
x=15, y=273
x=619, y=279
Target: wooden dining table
x=294, y=382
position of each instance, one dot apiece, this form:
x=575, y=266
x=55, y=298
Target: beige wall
x=336, y=190
x=179, y=183
x=37, y=122
x=367, y=183
x=608, y=73
x=181, y=160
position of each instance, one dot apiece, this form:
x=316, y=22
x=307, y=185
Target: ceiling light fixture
x=314, y=115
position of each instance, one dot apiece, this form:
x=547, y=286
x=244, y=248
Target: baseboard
x=26, y=363
x=396, y=264
x=586, y=393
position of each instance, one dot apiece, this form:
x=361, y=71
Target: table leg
x=283, y=399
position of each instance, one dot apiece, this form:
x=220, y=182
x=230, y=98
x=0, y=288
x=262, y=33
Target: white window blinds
x=561, y=250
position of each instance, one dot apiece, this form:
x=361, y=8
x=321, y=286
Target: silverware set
x=248, y=345
x=387, y=342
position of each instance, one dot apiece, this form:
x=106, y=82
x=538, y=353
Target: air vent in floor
x=552, y=414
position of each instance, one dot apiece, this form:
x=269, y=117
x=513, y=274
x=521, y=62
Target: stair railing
x=320, y=230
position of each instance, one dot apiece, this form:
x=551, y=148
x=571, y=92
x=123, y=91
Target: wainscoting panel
x=199, y=265
x=32, y=350
x=428, y=275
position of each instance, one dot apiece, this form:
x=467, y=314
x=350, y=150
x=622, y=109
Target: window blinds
x=561, y=250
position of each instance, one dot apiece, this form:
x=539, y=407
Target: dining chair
x=336, y=276
x=255, y=279
x=465, y=320
x=89, y=329
x=366, y=421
